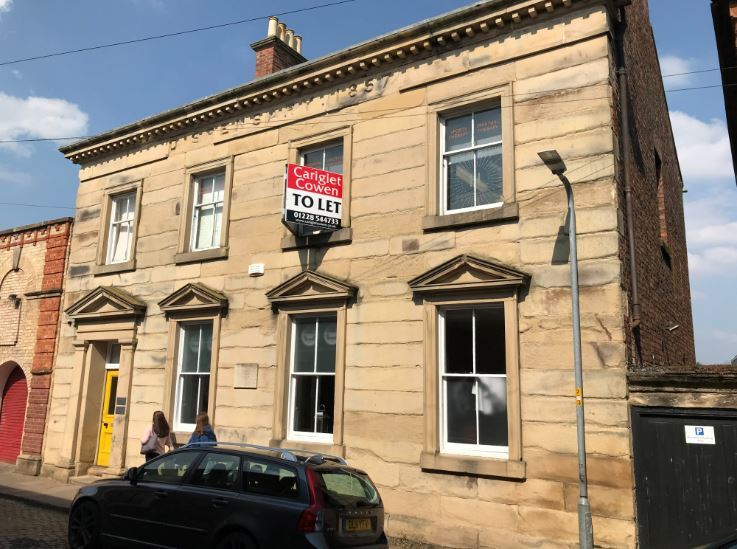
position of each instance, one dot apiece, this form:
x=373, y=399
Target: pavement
x=39, y=491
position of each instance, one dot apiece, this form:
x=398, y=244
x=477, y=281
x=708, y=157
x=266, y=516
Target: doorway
x=107, y=417
x=12, y=414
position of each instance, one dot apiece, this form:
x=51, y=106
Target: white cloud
x=719, y=260
x=672, y=68
x=16, y=72
x=13, y=177
x=38, y=117
x=721, y=335
x=703, y=148
x=5, y=5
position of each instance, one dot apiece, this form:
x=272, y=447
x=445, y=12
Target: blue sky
x=88, y=93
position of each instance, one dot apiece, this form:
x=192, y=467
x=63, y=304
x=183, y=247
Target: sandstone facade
x=397, y=262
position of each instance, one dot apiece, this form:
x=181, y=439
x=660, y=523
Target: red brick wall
x=662, y=267
x=48, y=323
x=275, y=56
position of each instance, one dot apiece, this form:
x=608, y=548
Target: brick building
x=428, y=339
x=32, y=265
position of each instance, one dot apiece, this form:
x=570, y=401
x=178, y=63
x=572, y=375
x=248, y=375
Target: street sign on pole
x=313, y=197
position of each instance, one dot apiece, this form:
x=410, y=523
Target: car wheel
x=84, y=526
x=236, y=540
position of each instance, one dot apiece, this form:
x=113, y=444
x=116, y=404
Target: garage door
x=685, y=476
x=12, y=415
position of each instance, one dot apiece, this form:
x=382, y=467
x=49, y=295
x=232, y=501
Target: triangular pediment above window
x=312, y=286
x=194, y=297
x=467, y=272
x=106, y=302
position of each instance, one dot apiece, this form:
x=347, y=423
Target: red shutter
x=12, y=415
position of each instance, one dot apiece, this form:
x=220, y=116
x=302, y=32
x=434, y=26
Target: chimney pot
x=289, y=38
x=282, y=31
x=298, y=43
x=273, y=26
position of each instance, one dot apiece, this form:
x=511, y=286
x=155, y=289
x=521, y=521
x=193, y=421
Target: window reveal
x=474, y=381
x=472, y=161
x=312, y=372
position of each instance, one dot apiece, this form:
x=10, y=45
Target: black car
x=231, y=496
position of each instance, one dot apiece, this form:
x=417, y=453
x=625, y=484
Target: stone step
x=83, y=480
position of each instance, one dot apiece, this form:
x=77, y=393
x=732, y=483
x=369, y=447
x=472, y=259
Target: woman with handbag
x=156, y=437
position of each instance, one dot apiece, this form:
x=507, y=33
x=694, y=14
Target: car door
x=144, y=510
x=210, y=499
x=273, y=500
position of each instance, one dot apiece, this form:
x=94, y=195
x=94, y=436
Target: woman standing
x=203, y=430
x=156, y=437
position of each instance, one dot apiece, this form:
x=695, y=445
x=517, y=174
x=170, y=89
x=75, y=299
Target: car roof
x=285, y=454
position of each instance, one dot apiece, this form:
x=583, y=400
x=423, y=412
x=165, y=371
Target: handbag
x=150, y=444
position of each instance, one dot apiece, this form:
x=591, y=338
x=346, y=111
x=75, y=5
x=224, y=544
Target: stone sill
x=506, y=212
x=341, y=236
x=471, y=465
x=201, y=255
x=112, y=268
x=315, y=447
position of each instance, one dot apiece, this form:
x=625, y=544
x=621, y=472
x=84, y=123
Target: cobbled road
x=24, y=526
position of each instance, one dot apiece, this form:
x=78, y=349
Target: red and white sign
x=313, y=197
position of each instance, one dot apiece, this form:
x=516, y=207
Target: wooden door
x=106, y=422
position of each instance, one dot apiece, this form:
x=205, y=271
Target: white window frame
x=109, y=364
x=481, y=450
x=115, y=225
x=306, y=436
x=443, y=167
x=179, y=426
x=323, y=147
x=197, y=208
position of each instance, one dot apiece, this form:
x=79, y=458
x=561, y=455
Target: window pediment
x=312, y=286
x=106, y=302
x=467, y=272
x=194, y=297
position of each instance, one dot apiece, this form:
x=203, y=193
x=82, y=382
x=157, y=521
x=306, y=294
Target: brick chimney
x=279, y=50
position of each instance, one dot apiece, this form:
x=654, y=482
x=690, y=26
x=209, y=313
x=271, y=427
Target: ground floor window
x=473, y=374
x=193, y=373
x=312, y=377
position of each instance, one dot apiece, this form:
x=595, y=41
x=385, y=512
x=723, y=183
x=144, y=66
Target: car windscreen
x=346, y=488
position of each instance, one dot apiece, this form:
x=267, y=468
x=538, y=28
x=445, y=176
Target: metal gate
x=12, y=415
x=685, y=476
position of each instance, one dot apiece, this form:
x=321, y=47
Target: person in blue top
x=203, y=430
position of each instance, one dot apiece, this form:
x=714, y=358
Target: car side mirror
x=131, y=475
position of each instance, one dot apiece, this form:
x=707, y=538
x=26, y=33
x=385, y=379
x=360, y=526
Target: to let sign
x=313, y=197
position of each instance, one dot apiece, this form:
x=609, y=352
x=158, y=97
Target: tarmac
x=41, y=491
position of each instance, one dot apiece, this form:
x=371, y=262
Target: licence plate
x=358, y=525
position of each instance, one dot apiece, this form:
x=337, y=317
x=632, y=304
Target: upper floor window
x=325, y=157
x=207, y=211
x=472, y=175
x=120, y=231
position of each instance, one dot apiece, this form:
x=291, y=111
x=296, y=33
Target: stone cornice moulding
x=468, y=273
x=311, y=286
x=106, y=302
x=194, y=297
x=415, y=42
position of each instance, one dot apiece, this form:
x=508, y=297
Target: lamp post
x=585, y=529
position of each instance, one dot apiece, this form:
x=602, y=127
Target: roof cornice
x=443, y=33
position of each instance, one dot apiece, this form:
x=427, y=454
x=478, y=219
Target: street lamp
x=585, y=529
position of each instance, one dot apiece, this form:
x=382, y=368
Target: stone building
x=32, y=264
x=428, y=340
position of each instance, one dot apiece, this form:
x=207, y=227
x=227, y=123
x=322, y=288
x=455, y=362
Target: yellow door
x=108, y=413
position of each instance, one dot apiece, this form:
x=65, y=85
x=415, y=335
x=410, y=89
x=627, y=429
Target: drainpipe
x=621, y=27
